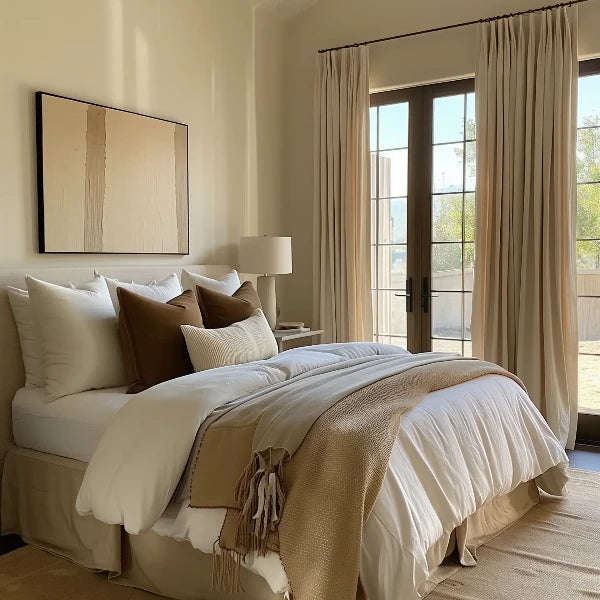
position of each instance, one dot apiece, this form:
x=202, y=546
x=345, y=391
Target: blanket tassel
x=260, y=494
x=226, y=570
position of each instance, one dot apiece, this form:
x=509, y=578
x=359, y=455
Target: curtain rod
x=456, y=25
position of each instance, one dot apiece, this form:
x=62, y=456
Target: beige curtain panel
x=524, y=297
x=342, y=268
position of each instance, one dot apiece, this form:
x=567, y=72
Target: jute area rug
x=553, y=553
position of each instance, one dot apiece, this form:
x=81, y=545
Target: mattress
x=70, y=426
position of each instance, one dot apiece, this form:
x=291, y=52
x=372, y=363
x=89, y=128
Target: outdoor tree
x=448, y=209
x=588, y=193
x=448, y=217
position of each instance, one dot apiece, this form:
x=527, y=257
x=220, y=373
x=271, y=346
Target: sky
x=588, y=98
x=448, y=126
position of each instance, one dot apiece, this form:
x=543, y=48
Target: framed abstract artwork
x=110, y=180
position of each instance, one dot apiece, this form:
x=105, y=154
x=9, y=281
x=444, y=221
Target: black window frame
x=588, y=423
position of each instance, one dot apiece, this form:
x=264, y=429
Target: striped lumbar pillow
x=243, y=342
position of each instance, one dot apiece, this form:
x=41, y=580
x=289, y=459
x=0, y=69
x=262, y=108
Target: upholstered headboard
x=12, y=375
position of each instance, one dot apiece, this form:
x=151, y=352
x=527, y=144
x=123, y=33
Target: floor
x=583, y=457
x=8, y=543
x=550, y=554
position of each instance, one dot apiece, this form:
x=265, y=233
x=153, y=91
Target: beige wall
x=433, y=57
x=193, y=61
x=240, y=73
x=266, y=140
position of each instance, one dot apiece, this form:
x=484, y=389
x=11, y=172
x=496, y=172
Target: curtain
x=342, y=258
x=524, y=297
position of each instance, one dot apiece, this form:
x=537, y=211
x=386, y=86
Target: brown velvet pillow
x=220, y=310
x=153, y=344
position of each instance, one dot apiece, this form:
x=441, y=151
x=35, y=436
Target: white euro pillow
x=79, y=337
x=242, y=342
x=227, y=285
x=31, y=348
x=163, y=291
x=29, y=338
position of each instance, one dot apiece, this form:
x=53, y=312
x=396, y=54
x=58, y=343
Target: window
x=588, y=235
x=423, y=221
x=422, y=207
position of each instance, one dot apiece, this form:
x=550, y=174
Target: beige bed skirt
x=38, y=503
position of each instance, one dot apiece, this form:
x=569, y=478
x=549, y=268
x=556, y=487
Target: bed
x=47, y=518
x=421, y=515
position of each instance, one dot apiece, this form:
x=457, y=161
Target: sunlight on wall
x=115, y=44
x=142, y=67
x=251, y=213
x=187, y=60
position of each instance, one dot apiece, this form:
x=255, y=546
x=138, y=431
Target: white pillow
x=242, y=342
x=79, y=337
x=31, y=347
x=29, y=338
x=163, y=291
x=229, y=284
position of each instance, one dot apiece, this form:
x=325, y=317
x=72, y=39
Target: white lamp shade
x=266, y=255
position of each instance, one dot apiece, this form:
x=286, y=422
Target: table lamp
x=267, y=256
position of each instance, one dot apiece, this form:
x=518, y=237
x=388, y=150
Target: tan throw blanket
x=299, y=466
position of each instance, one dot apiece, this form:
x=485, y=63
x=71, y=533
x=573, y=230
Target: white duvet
x=460, y=448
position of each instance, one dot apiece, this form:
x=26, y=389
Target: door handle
x=408, y=295
x=426, y=294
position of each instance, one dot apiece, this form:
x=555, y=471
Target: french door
x=423, y=214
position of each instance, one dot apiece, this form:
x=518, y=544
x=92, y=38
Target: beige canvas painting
x=110, y=181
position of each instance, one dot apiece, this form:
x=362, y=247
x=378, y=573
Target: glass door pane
x=452, y=222
x=588, y=242
x=389, y=214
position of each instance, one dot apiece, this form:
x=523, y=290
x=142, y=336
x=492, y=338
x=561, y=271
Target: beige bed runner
x=304, y=465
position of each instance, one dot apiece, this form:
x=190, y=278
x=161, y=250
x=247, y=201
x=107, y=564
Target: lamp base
x=265, y=286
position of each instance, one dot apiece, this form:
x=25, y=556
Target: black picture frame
x=39, y=129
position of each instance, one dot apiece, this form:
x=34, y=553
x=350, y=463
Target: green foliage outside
x=448, y=209
x=448, y=220
x=588, y=194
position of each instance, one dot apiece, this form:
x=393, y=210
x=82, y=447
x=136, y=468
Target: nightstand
x=284, y=336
